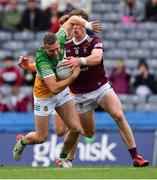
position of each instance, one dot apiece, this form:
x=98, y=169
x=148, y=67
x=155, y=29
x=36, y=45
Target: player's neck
x=79, y=39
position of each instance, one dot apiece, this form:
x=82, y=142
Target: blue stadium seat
x=116, y=53
x=109, y=44
x=40, y=35
x=4, y=53
x=125, y=27
x=17, y=54
x=5, y=36
x=27, y=90
x=108, y=63
x=95, y=16
x=128, y=44
x=149, y=107
x=152, y=63
x=107, y=27
x=128, y=107
x=5, y=90
x=110, y=17
x=137, y=35
x=103, y=7
x=152, y=99
x=139, y=53
x=153, y=35
x=154, y=54
x=132, y=99
x=131, y=63
x=150, y=44
x=115, y=35
x=23, y=36
x=147, y=26
x=33, y=45
x=13, y=45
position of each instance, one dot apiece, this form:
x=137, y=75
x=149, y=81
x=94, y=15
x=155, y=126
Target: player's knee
x=118, y=116
x=76, y=130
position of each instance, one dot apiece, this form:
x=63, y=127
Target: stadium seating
x=23, y=36
x=128, y=41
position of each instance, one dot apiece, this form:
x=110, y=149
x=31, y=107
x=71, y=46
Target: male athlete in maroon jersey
x=91, y=88
x=91, y=77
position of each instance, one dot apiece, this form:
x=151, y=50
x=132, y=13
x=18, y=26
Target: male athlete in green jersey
x=49, y=93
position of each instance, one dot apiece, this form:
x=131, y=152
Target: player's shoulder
x=69, y=41
x=41, y=55
x=93, y=39
x=40, y=52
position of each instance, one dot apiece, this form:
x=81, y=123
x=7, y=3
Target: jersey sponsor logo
x=66, y=94
x=85, y=49
x=68, y=51
x=37, y=107
x=45, y=108
x=84, y=69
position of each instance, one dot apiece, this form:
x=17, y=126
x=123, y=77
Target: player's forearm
x=91, y=60
x=75, y=20
x=94, y=59
x=61, y=85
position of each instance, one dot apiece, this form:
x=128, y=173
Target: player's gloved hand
x=23, y=62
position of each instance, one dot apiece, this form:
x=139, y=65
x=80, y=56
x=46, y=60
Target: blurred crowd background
x=129, y=37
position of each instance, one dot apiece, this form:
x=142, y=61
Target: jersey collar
x=77, y=43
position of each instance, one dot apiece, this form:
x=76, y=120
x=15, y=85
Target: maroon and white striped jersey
x=90, y=77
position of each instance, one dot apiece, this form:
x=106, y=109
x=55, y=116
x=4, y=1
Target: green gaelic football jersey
x=45, y=65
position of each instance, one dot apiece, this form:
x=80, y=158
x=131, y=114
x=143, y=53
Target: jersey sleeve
x=44, y=69
x=62, y=35
x=97, y=44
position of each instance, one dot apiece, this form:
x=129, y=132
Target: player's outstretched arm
x=24, y=64
x=76, y=20
x=94, y=59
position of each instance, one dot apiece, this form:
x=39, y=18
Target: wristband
x=83, y=61
x=88, y=25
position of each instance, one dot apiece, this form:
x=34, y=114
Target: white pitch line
x=83, y=179
x=61, y=169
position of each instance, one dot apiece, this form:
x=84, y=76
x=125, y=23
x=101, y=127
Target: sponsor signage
x=105, y=148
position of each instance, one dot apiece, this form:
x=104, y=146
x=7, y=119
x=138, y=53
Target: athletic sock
x=71, y=160
x=63, y=155
x=22, y=142
x=133, y=152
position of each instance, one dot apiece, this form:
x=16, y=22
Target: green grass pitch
x=84, y=172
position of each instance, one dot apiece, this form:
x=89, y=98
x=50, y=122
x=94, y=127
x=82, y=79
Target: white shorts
x=44, y=107
x=89, y=101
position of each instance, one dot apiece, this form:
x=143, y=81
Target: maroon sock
x=133, y=152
